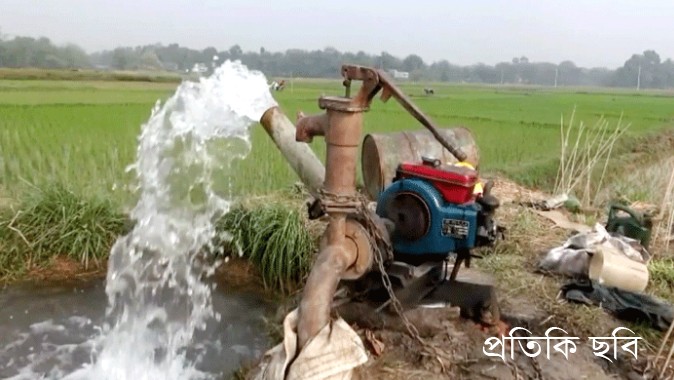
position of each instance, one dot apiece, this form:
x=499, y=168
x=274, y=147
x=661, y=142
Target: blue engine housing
x=451, y=227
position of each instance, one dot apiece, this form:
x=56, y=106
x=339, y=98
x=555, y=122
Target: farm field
x=83, y=133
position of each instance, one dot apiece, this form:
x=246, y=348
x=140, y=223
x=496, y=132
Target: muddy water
x=47, y=331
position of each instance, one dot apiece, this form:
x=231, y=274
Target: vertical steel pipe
x=342, y=126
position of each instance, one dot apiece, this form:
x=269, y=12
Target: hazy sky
x=590, y=32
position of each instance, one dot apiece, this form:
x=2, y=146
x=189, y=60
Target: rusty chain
x=378, y=244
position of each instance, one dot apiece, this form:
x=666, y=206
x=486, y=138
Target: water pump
x=431, y=211
x=436, y=211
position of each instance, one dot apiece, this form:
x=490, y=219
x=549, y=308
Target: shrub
x=55, y=221
x=275, y=238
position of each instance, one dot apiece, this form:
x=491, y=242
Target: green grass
x=84, y=133
x=86, y=74
x=275, y=238
x=54, y=222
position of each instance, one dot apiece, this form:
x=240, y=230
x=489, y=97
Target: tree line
x=644, y=70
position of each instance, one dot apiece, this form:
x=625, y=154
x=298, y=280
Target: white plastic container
x=610, y=267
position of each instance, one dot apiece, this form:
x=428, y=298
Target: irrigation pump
x=433, y=208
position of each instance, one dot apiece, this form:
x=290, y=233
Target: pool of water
x=48, y=331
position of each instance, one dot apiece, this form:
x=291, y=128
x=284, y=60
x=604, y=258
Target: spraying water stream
x=159, y=306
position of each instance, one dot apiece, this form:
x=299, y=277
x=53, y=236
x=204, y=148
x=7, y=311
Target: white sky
x=590, y=32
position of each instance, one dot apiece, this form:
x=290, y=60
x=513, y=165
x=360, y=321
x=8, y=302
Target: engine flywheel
x=410, y=214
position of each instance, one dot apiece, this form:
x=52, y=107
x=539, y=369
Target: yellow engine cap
x=464, y=164
x=478, y=189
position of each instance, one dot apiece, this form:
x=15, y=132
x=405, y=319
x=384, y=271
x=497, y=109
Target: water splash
x=185, y=146
x=158, y=300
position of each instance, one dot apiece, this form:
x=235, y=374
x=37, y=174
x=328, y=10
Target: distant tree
x=149, y=60
x=644, y=69
x=235, y=52
x=389, y=62
x=413, y=63
x=74, y=56
x=506, y=72
x=482, y=73
x=123, y=58
x=665, y=72
x=568, y=74
x=655, y=72
x=209, y=53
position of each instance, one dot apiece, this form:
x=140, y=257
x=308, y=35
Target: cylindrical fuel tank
x=383, y=152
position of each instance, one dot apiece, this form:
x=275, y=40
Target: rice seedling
x=83, y=133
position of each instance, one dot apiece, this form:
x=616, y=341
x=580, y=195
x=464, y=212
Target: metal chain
x=379, y=243
x=537, y=368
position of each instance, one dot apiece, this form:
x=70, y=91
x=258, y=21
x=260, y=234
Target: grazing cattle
x=429, y=91
x=277, y=86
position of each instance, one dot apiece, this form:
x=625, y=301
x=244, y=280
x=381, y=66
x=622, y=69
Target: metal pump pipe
x=301, y=158
x=345, y=248
x=342, y=130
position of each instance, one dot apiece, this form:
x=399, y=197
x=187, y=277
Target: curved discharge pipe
x=343, y=252
x=334, y=259
x=316, y=303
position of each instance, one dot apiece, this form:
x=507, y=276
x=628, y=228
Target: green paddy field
x=82, y=134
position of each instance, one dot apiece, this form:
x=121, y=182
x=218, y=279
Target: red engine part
x=455, y=183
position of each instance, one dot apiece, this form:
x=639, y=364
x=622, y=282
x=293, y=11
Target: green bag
x=634, y=225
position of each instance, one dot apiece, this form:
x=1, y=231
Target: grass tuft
x=54, y=222
x=275, y=238
x=662, y=277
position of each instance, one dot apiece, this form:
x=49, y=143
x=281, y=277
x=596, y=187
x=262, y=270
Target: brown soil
x=238, y=273
x=63, y=268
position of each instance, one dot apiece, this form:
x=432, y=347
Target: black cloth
x=625, y=305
